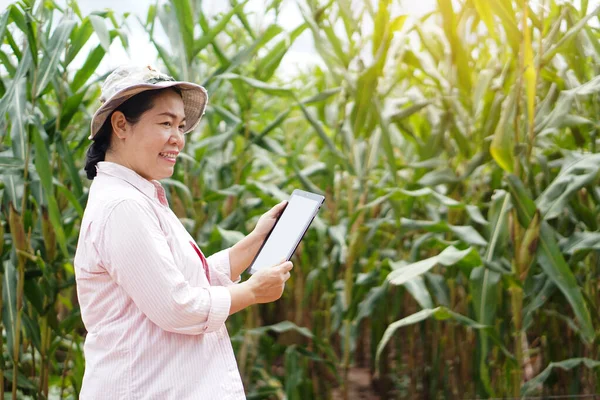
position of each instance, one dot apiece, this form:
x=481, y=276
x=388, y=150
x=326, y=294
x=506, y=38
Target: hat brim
x=194, y=102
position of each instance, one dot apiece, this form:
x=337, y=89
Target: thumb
x=278, y=208
x=287, y=266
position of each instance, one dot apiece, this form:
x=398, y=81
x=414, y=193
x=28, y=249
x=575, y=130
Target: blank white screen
x=296, y=216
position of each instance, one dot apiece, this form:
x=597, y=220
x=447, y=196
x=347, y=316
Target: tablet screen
x=287, y=233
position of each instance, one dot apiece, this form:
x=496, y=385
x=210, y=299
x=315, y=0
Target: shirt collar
x=153, y=189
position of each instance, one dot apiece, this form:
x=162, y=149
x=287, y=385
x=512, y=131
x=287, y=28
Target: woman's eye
x=181, y=127
x=167, y=123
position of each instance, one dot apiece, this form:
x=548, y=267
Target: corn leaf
x=551, y=259
x=529, y=69
x=502, y=146
x=484, y=10
x=101, y=30
x=577, y=172
x=566, y=365
x=185, y=22
x=49, y=65
x=44, y=169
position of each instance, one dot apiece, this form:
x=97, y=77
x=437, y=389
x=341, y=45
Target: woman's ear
x=119, y=123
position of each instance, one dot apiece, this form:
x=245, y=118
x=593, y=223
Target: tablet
x=288, y=231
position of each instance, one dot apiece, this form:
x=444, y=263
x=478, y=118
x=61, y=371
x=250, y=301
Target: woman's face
x=151, y=146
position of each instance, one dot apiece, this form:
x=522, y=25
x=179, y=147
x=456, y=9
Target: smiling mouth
x=169, y=156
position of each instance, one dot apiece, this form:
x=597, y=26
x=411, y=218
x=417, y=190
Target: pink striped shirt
x=153, y=306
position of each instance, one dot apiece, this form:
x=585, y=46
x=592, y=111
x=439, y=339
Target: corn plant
x=44, y=122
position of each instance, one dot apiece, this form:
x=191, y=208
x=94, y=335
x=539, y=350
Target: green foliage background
x=457, y=252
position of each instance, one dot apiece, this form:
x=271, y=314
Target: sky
x=301, y=54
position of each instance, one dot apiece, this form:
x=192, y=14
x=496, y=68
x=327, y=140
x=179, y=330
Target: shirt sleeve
x=220, y=267
x=136, y=254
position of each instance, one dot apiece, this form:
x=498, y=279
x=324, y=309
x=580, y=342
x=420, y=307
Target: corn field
x=457, y=254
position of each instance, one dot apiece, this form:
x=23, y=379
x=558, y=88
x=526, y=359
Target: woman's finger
x=276, y=210
x=287, y=266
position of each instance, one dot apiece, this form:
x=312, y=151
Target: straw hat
x=127, y=81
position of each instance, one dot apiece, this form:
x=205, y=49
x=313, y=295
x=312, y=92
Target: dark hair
x=132, y=108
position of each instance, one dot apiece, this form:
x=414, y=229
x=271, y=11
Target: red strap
x=203, y=259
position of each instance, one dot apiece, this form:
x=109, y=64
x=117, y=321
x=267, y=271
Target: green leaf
x=22, y=380
x=475, y=215
x=281, y=327
x=428, y=192
x=460, y=56
x=509, y=22
x=408, y=111
x=268, y=64
x=404, y=273
x=70, y=108
x=101, y=30
x=417, y=289
x=79, y=37
x=11, y=162
x=551, y=259
x=485, y=12
x=13, y=188
x=293, y=373
x=578, y=171
x=185, y=22
x=560, y=115
x=228, y=237
x=439, y=313
x=483, y=284
x=380, y=22
x=466, y=233
x=18, y=117
x=33, y=330
x=88, y=68
x=17, y=82
x=243, y=55
x=241, y=15
x=580, y=241
x=366, y=91
x=322, y=96
x=44, y=170
x=317, y=125
x=438, y=177
x=538, y=301
x=387, y=141
x=181, y=187
x=367, y=306
x=566, y=365
x=503, y=142
x=56, y=45
x=208, y=37
x=67, y=156
x=3, y=23
x=568, y=36
x=529, y=73
x=9, y=304
x=259, y=85
x=26, y=25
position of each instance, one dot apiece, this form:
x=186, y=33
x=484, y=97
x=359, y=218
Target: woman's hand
x=267, y=284
x=267, y=221
x=243, y=252
x=264, y=286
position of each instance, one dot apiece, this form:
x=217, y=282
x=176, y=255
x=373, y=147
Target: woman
x=153, y=306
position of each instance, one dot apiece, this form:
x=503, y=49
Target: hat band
x=160, y=79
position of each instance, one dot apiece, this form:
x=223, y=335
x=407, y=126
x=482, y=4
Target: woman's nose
x=178, y=138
